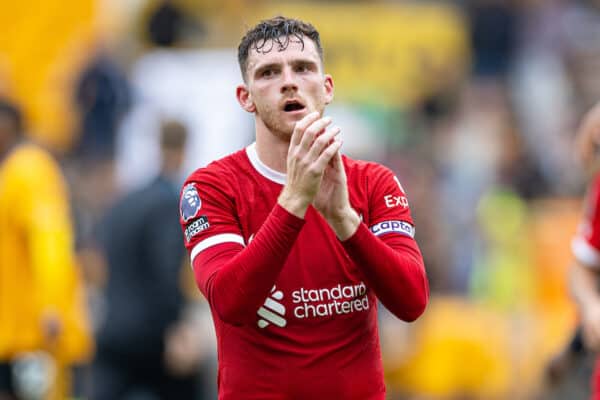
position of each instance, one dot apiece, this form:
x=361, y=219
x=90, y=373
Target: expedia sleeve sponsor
x=401, y=227
x=196, y=227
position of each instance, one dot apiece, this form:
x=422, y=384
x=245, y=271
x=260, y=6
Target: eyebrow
x=305, y=61
x=267, y=66
x=295, y=62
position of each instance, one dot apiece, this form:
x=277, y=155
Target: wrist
x=344, y=223
x=294, y=204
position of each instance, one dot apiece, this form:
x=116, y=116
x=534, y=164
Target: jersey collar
x=261, y=168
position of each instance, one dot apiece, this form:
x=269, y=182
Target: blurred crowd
x=473, y=103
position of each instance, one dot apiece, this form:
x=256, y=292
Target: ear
x=245, y=98
x=328, y=83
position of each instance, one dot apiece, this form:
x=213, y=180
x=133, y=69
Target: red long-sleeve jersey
x=586, y=249
x=586, y=243
x=295, y=309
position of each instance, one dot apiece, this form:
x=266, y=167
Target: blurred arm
x=584, y=287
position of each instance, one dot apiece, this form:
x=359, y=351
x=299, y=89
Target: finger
x=301, y=126
x=322, y=141
x=327, y=154
x=336, y=161
x=313, y=130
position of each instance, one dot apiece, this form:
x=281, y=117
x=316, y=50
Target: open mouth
x=293, y=105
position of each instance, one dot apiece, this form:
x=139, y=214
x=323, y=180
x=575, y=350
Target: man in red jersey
x=585, y=270
x=293, y=243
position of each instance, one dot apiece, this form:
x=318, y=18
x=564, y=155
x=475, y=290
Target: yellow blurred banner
x=392, y=54
x=39, y=46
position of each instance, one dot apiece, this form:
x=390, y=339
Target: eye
x=266, y=73
x=302, y=68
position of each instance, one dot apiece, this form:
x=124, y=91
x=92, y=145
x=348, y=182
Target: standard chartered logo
x=326, y=302
x=314, y=303
x=272, y=312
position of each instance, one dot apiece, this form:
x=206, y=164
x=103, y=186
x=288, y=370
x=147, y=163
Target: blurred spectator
x=102, y=98
x=502, y=278
x=165, y=24
x=145, y=346
x=554, y=81
x=189, y=85
x=493, y=36
x=43, y=322
x=468, y=150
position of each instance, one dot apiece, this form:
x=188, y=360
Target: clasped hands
x=316, y=175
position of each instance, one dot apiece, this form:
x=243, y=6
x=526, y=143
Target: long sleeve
x=236, y=279
x=394, y=270
x=384, y=248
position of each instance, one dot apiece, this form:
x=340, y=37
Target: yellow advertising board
x=39, y=46
x=391, y=54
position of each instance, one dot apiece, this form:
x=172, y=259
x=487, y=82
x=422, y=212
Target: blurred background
x=472, y=103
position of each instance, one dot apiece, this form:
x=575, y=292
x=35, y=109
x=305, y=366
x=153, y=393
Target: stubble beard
x=276, y=125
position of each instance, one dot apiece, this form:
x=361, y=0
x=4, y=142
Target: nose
x=288, y=80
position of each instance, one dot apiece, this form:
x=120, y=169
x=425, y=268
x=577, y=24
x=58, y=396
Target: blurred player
x=585, y=271
x=293, y=243
x=43, y=324
x=145, y=343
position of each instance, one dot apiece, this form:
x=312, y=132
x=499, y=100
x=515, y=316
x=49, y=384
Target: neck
x=271, y=149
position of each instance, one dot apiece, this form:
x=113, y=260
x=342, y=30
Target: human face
x=283, y=86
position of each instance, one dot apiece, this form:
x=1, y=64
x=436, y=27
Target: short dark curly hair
x=276, y=33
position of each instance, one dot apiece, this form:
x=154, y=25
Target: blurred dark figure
x=165, y=24
x=102, y=97
x=493, y=36
x=169, y=25
x=141, y=240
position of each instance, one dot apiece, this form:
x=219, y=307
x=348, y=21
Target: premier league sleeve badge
x=190, y=202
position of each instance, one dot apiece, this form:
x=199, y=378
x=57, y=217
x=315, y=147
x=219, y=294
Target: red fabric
x=295, y=309
x=595, y=381
x=395, y=271
x=589, y=227
x=222, y=271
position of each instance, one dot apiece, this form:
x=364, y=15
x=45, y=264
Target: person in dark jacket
x=141, y=241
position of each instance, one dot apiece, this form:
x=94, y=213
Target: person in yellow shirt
x=43, y=321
